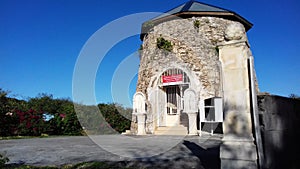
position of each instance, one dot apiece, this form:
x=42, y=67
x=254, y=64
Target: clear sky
x=40, y=41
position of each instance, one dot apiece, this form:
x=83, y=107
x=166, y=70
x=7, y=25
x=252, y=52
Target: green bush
x=3, y=160
x=116, y=116
x=104, y=118
x=164, y=44
x=196, y=23
x=28, y=118
x=44, y=115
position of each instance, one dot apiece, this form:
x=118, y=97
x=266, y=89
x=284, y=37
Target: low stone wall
x=280, y=126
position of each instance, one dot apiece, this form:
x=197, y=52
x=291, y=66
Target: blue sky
x=40, y=41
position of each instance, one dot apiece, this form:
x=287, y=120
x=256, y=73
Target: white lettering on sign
x=172, y=78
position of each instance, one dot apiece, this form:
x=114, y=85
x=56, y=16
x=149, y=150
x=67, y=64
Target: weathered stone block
x=234, y=31
x=236, y=100
x=237, y=154
x=237, y=76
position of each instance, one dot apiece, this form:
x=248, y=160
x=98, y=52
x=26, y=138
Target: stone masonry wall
x=195, y=51
x=194, y=48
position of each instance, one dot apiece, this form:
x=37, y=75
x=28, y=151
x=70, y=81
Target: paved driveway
x=159, y=151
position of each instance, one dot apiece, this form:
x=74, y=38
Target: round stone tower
x=193, y=47
x=196, y=67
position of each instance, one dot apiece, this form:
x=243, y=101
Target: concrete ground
x=144, y=151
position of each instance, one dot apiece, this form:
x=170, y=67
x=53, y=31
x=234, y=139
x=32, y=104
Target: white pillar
x=141, y=118
x=191, y=109
x=192, y=123
x=139, y=108
x=238, y=149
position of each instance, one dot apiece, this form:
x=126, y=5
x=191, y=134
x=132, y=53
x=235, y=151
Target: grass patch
x=21, y=137
x=31, y=137
x=84, y=165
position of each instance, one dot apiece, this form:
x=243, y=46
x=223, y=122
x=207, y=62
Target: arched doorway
x=173, y=83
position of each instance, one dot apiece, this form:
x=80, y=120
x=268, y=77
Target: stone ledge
x=232, y=150
x=238, y=164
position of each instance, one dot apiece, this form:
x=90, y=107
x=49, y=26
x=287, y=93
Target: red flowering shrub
x=30, y=122
x=45, y=115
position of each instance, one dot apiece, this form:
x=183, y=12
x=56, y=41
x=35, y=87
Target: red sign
x=172, y=78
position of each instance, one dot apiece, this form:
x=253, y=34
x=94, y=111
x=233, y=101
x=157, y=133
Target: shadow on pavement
x=209, y=158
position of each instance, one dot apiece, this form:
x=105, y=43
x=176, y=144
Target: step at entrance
x=171, y=130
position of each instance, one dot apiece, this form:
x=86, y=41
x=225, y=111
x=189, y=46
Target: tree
x=44, y=114
x=64, y=121
x=116, y=116
x=294, y=96
x=4, y=112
